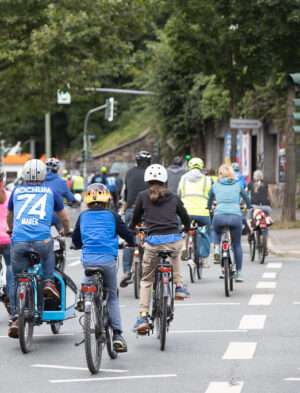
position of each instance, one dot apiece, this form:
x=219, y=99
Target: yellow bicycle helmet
x=103, y=169
x=196, y=163
x=96, y=192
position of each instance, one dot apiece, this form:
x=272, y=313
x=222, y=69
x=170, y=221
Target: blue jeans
x=110, y=279
x=127, y=252
x=234, y=223
x=19, y=263
x=6, y=256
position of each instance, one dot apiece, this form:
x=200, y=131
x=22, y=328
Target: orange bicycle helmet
x=96, y=192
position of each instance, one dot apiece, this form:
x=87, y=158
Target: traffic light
x=187, y=157
x=110, y=110
x=83, y=155
x=89, y=157
x=295, y=79
x=156, y=150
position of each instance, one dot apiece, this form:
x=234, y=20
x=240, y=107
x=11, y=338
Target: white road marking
x=224, y=387
x=292, y=379
x=112, y=378
x=261, y=300
x=74, y=263
x=266, y=285
x=240, y=350
x=76, y=368
x=47, y=335
x=205, y=304
x=274, y=265
x=209, y=331
x=269, y=275
x=252, y=322
x=296, y=302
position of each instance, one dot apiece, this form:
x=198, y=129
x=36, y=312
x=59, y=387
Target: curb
x=274, y=250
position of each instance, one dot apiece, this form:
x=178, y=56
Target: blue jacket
x=227, y=194
x=59, y=185
x=241, y=179
x=96, y=232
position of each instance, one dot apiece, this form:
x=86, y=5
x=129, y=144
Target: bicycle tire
x=263, y=246
x=157, y=309
x=92, y=338
x=109, y=342
x=252, y=246
x=137, y=279
x=226, y=276
x=163, y=317
x=26, y=318
x=231, y=279
x=55, y=327
x=193, y=273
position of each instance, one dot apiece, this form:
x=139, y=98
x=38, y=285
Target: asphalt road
x=247, y=343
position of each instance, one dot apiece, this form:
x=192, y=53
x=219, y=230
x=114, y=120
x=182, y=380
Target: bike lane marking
x=77, y=368
x=261, y=300
x=72, y=264
x=269, y=275
x=276, y=265
x=209, y=331
x=240, y=351
x=46, y=335
x=266, y=285
x=224, y=387
x=252, y=322
x=112, y=378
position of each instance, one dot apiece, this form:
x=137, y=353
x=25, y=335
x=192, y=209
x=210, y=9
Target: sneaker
x=50, y=290
x=216, y=255
x=239, y=277
x=184, y=255
x=266, y=252
x=119, y=343
x=125, y=279
x=181, y=293
x=141, y=324
x=251, y=237
x=13, y=330
x=221, y=274
x=205, y=265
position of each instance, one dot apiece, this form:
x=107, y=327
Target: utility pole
x=48, y=135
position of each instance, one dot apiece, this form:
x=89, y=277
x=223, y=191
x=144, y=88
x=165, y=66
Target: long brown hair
x=157, y=190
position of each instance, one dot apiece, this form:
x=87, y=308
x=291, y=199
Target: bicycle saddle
x=34, y=257
x=165, y=254
x=90, y=271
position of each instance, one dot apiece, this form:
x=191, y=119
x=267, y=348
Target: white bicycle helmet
x=52, y=164
x=235, y=166
x=34, y=170
x=156, y=172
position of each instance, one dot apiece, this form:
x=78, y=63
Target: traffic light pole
x=85, y=138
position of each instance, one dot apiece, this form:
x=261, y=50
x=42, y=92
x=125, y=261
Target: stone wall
x=278, y=191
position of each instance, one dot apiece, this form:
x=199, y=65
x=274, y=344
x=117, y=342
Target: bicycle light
x=85, y=289
x=136, y=253
x=165, y=269
x=21, y=295
x=23, y=279
x=225, y=246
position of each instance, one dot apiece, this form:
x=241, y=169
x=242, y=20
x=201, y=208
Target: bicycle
x=59, y=244
x=4, y=297
x=136, y=265
x=258, y=239
x=96, y=326
x=195, y=262
x=227, y=262
x=163, y=299
x=33, y=308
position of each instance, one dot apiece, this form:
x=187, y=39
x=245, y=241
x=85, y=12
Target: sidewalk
x=284, y=241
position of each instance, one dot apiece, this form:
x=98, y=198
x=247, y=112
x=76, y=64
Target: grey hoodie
x=194, y=175
x=174, y=175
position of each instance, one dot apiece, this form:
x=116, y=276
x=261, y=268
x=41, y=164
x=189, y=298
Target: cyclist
x=5, y=243
x=96, y=232
x=239, y=177
x=30, y=209
x=261, y=198
x=99, y=177
x=134, y=183
x=227, y=192
x=59, y=185
x=175, y=171
x=193, y=189
x=160, y=208
x=77, y=185
x=112, y=184
x=65, y=173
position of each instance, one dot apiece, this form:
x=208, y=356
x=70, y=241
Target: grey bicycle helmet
x=235, y=166
x=177, y=160
x=34, y=170
x=52, y=164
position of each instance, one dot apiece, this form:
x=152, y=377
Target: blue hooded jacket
x=227, y=193
x=241, y=179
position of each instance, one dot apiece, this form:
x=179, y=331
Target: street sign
x=245, y=124
x=63, y=97
x=172, y=143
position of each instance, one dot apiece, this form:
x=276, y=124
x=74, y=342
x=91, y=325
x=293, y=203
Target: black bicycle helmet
x=52, y=164
x=177, y=161
x=143, y=158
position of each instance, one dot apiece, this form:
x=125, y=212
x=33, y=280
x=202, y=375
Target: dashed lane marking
x=112, y=378
x=47, y=335
x=224, y=387
x=266, y=285
x=240, y=351
x=252, y=322
x=76, y=368
x=74, y=263
x=261, y=300
x=205, y=304
x=210, y=331
x=269, y=275
x=277, y=265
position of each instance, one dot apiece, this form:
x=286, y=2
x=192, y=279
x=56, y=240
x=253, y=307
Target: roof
x=19, y=159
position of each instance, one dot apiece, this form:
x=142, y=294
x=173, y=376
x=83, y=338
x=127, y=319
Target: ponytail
x=157, y=190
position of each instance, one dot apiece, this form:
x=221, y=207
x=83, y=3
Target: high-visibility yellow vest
x=194, y=195
x=64, y=178
x=214, y=178
x=78, y=183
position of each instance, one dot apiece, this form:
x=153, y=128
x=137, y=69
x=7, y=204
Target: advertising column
x=245, y=155
x=227, y=147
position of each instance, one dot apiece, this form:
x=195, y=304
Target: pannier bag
x=203, y=242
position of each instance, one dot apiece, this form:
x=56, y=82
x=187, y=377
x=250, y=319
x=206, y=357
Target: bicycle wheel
x=231, y=278
x=262, y=245
x=55, y=327
x=26, y=318
x=109, y=342
x=163, y=315
x=252, y=246
x=226, y=276
x=137, y=278
x=93, y=338
x=193, y=271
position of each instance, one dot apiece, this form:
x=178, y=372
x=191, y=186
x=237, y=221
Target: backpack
x=203, y=242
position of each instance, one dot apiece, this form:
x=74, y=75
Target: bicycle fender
x=166, y=284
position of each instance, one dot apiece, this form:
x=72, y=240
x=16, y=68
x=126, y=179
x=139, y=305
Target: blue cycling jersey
x=33, y=205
